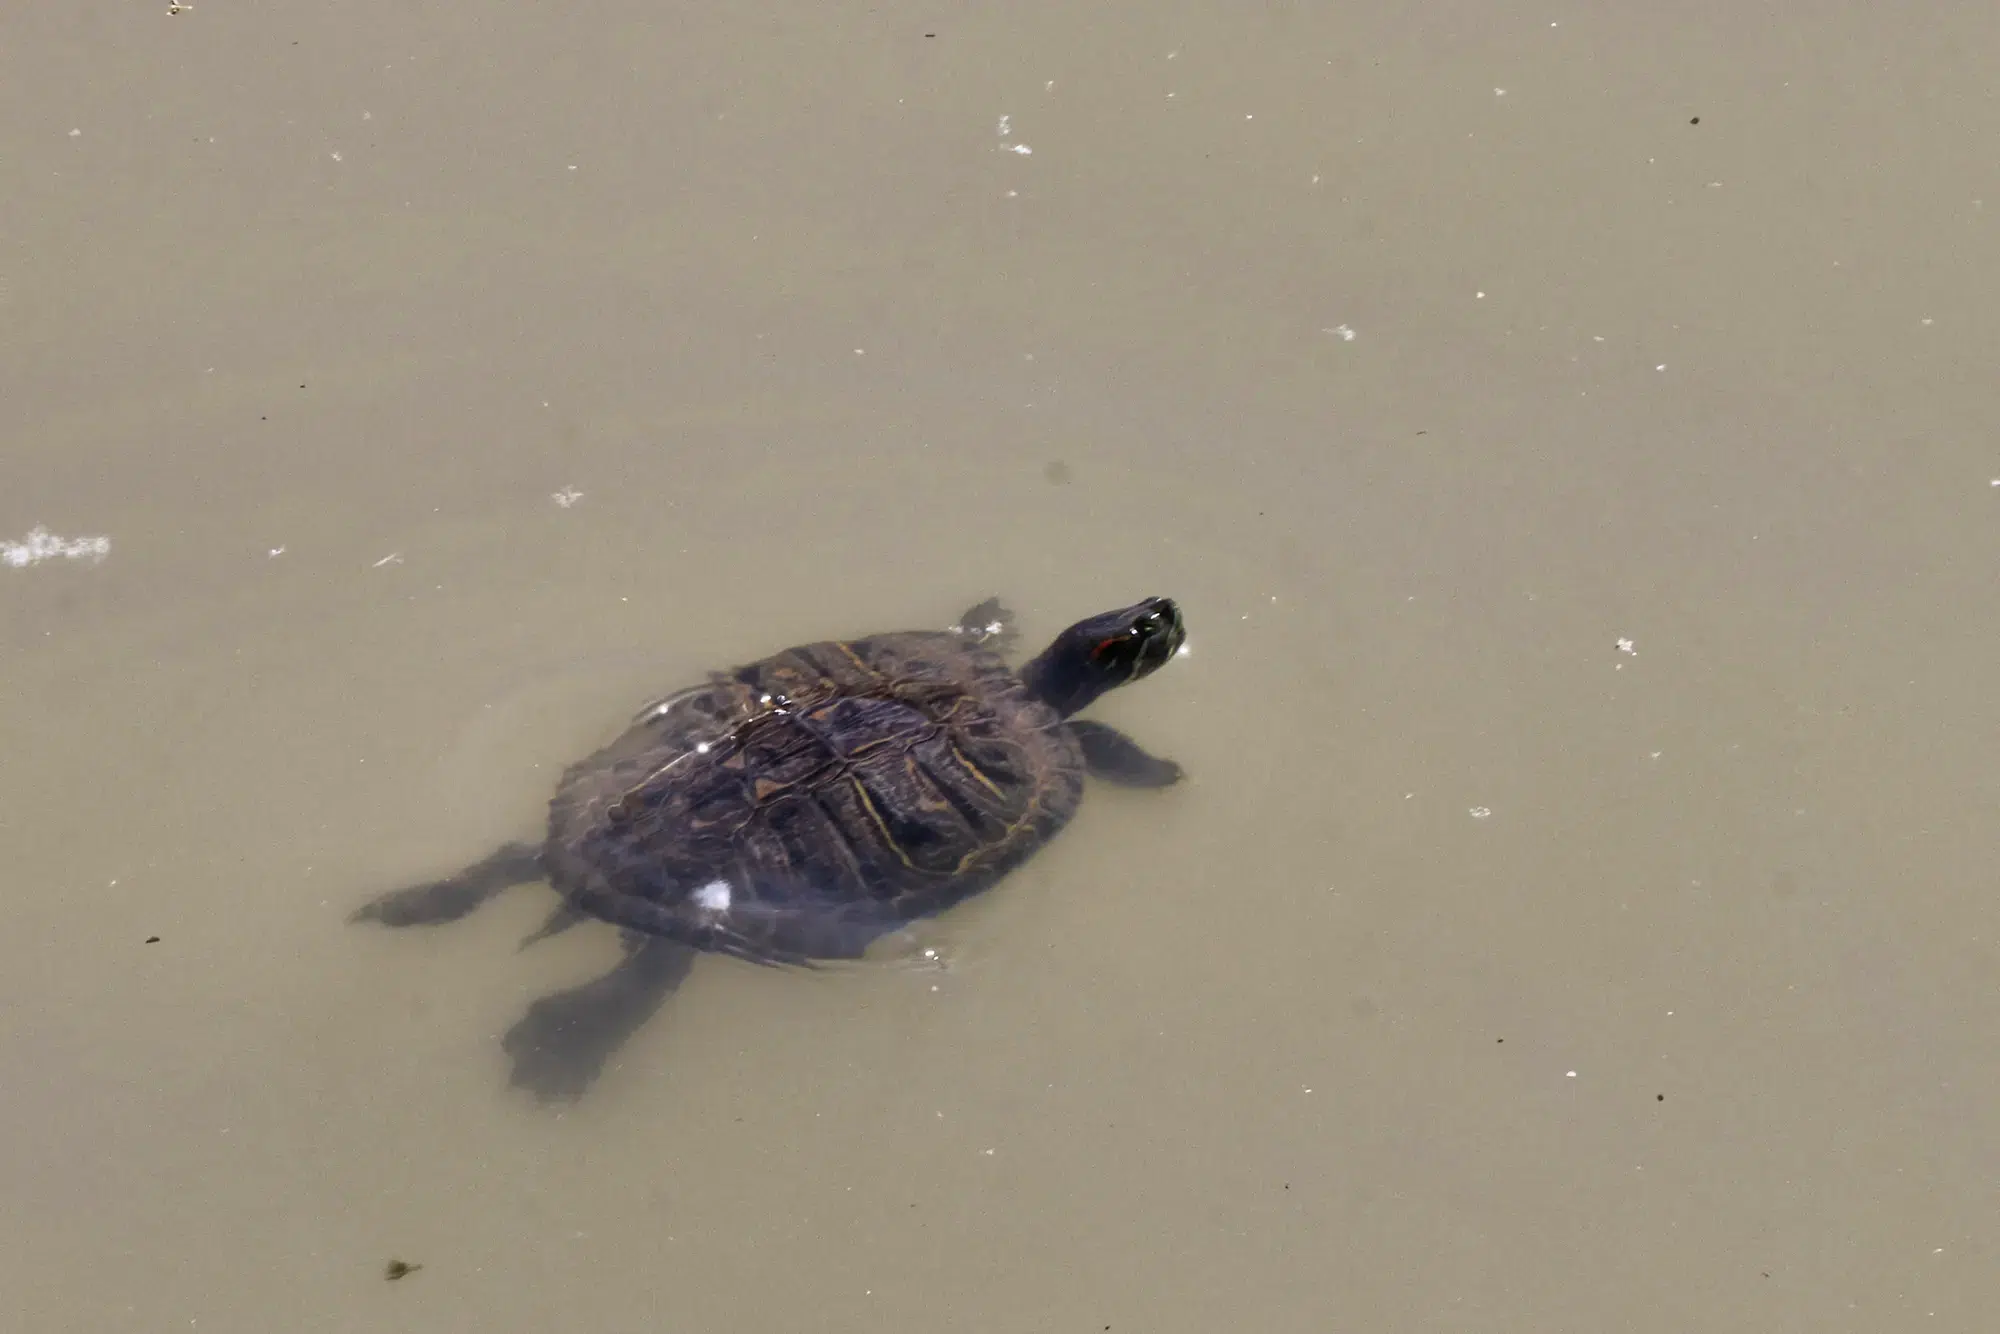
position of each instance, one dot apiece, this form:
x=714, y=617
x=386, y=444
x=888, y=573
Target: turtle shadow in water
x=560, y=1046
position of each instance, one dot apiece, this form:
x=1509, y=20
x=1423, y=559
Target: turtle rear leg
x=560, y=1046
x=989, y=624
x=457, y=895
x=1113, y=756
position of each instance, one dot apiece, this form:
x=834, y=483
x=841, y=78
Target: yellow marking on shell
x=868, y=807
x=860, y=663
x=655, y=775
x=660, y=772
x=971, y=859
x=974, y=770
x=921, y=783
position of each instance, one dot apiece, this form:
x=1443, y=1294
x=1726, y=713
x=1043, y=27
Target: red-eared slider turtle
x=799, y=807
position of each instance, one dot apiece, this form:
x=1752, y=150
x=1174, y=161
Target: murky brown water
x=1582, y=916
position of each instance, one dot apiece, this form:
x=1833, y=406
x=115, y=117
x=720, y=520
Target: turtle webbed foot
x=1117, y=758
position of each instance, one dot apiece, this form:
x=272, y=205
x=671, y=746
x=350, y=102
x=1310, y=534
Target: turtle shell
x=802, y=805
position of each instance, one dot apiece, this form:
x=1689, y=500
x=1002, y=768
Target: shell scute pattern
x=900, y=772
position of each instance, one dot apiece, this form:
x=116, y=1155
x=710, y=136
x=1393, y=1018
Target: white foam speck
x=713, y=896
x=40, y=544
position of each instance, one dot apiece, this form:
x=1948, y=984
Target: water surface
x=1569, y=431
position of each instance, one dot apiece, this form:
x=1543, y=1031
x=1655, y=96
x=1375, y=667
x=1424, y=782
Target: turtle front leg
x=455, y=896
x=990, y=624
x=1115, y=757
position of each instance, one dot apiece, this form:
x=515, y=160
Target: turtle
x=794, y=810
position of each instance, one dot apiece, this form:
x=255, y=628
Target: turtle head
x=1107, y=650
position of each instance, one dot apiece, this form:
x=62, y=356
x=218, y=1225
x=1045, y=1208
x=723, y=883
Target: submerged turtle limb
x=559, y=1047
x=1117, y=758
x=457, y=895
